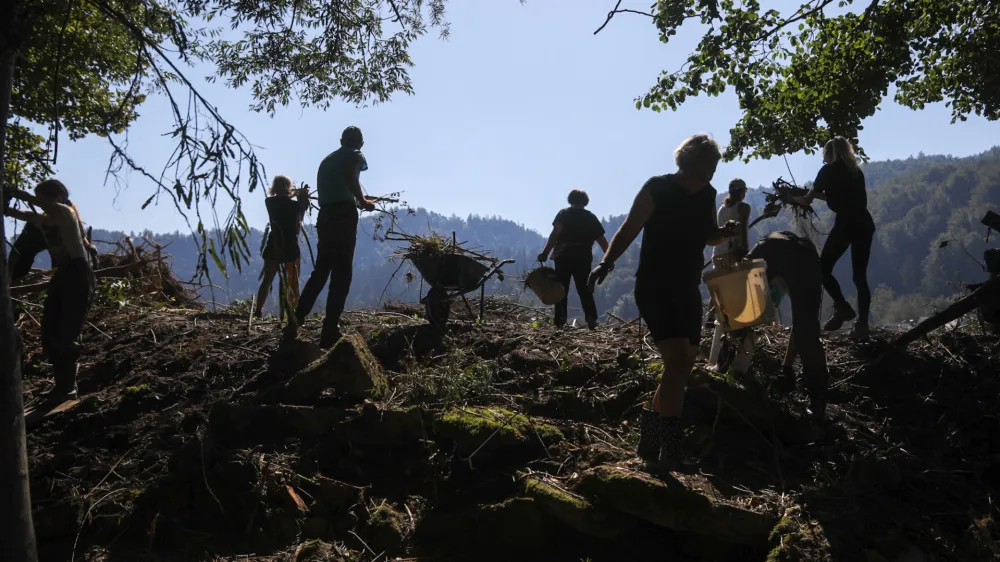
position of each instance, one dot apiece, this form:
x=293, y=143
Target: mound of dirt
x=197, y=438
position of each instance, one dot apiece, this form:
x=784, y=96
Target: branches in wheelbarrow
x=422, y=248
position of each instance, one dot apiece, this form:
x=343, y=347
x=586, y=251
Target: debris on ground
x=197, y=438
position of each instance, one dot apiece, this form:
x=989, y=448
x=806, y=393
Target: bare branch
x=618, y=10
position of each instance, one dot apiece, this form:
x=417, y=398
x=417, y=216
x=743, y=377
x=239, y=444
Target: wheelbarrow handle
x=493, y=270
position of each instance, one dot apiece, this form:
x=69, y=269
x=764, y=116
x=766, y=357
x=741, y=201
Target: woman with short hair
x=841, y=183
x=574, y=231
x=676, y=213
x=282, y=248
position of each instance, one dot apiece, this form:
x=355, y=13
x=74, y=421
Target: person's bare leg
x=294, y=270
x=678, y=358
x=270, y=269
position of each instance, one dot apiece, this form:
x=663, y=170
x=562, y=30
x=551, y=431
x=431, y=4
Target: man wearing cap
x=340, y=195
x=733, y=208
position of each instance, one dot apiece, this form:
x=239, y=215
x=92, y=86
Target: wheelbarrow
x=451, y=276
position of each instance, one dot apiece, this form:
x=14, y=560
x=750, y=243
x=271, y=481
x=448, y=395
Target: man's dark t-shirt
x=282, y=242
x=844, y=188
x=580, y=230
x=675, y=236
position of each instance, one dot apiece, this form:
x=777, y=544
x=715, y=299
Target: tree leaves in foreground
x=806, y=74
x=77, y=81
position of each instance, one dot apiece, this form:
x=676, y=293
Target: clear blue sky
x=520, y=105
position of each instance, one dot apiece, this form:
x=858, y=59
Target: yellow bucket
x=740, y=294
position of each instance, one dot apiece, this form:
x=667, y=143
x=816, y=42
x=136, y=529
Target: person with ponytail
x=70, y=290
x=841, y=183
x=282, y=247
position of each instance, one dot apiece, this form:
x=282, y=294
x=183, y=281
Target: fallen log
x=987, y=291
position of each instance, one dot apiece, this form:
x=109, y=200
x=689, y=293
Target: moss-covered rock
x=386, y=529
x=673, y=504
x=577, y=512
x=797, y=539
x=501, y=531
x=492, y=429
x=348, y=367
x=387, y=426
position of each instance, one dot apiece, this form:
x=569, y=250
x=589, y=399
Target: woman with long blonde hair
x=285, y=209
x=677, y=215
x=841, y=183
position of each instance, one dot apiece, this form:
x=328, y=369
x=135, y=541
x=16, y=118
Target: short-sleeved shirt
x=844, y=188
x=282, y=242
x=675, y=236
x=331, y=179
x=580, y=229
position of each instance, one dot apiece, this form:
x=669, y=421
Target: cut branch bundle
x=783, y=197
x=429, y=249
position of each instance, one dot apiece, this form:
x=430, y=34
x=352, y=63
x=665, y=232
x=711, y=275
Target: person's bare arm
x=354, y=184
x=44, y=202
x=717, y=235
x=603, y=243
x=638, y=215
x=744, y=233
x=27, y=216
x=553, y=238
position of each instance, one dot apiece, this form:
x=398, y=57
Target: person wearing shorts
x=676, y=214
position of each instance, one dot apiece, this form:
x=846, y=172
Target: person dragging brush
x=70, y=290
x=282, y=248
x=574, y=231
x=676, y=213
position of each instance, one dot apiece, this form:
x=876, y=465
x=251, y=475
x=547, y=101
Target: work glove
x=543, y=257
x=731, y=227
x=597, y=276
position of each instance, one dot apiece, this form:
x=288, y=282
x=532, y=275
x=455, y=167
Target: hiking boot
x=860, y=331
x=592, y=325
x=648, y=448
x=65, y=378
x=785, y=383
x=671, y=436
x=842, y=312
x=816, y=390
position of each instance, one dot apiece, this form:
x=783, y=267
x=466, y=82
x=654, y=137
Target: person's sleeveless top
x=727, y=214
x=674, y=237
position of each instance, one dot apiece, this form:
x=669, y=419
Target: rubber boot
x=816, y=390
x=842, y=312
x=65, y=377
x=591, y=323
x=671, y=436
x=648, y=448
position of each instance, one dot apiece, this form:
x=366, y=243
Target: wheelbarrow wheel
x=437, y=308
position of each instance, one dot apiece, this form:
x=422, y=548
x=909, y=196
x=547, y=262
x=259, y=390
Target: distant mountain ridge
x=918, y=203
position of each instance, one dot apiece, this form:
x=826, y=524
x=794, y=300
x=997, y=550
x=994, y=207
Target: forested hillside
x=918, y=204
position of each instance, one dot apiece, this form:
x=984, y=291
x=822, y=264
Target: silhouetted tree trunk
x=17, y=535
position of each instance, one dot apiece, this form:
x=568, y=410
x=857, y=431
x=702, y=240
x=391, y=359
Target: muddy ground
x=198, y=439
